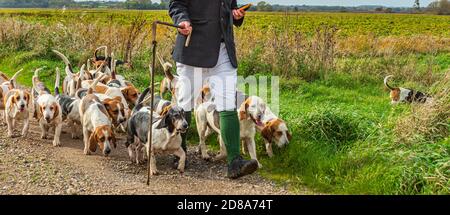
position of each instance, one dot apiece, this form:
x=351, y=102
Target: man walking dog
x=211, y=55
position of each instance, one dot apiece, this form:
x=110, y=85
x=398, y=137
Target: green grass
x=348, y=23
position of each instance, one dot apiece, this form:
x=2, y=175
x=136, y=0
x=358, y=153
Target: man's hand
x=238, y=14
x=187, y=28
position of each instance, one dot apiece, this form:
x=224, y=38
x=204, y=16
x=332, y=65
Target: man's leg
x=223, y=81
x=189, y=85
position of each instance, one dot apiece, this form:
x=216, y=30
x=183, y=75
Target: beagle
x=275, y=130
x=166, y=137
x=71, y=81
x=6, y=85
x=135, y=151
x=47, y=110
x=97, y=127
x=18, y=105
x=251, y=113
x=399, y=94
x=69, y=108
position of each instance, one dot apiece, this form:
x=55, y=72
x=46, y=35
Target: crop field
x=347, y=137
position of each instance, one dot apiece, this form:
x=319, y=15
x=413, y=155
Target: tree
x=417, y=5
x=139, y=4
x=263, y=6
x=441, y=7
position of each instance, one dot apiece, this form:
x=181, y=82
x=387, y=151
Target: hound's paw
x=206, y=157
x=56, y=143
x=24, y=134
x=181, y=171
x=259, y=165
x=220, y=157
x=44, y=137
x=10, y=135
x=153, y=172
x=75, y=137
x=87, y=152
x=270, y=154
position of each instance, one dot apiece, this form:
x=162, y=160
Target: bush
x=427, y=122
x=333, y=127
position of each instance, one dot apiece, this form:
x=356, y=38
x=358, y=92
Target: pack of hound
x=101, y=104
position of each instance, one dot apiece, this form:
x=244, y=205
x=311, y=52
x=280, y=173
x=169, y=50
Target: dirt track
x=33, y=166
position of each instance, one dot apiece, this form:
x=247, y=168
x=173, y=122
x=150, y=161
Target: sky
x=388, y=3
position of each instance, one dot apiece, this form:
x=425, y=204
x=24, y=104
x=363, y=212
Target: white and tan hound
x=18, y=107
x=97, y=127
x=403, y=95
x=47, y=110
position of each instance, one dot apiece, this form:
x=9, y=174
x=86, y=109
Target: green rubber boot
x=229, y=128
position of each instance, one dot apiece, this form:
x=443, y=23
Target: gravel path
x=33, y=166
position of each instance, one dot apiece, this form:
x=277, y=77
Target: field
x=348, y=138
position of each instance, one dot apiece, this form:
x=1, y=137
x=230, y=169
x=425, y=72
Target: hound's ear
x=56, y=114
x=93, y=142
x=242, y=115
x=106, y=103
x=124, y=90
x=289, y=136
x=243, y=110
x=165, y=110
x=38, y=113
x=117, y=98
x=267, y=133
x=27, y=97
x=164, y=123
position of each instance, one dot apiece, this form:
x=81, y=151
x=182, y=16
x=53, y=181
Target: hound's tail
x=166, y=66
x=35, y=79
x=113, y=66
x=143, y=95
x=386, y=79
x=69, y=69
x=58, y=77
x=94, y=73
x=13, y=79
x=94, y=84
x=98, y=49
x=88, y=63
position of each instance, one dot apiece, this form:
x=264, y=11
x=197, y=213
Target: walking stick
x=152, y=84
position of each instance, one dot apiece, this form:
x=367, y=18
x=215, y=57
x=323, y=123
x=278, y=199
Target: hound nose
x=185, y=125
x=259, y=116
x=22, y=105
x=122, y=120
x=107, y=151
x=47, y=118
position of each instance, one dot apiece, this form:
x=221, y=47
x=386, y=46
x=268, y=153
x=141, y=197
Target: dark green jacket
x=212, y=22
